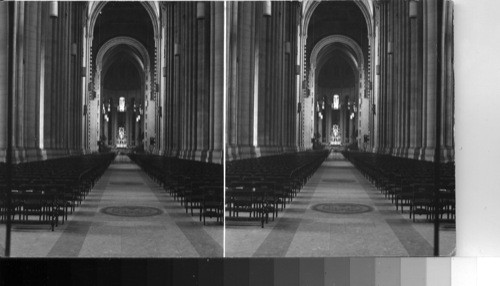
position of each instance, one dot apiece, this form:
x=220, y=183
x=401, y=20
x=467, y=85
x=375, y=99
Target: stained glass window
x=336, y=102
x=121, y=106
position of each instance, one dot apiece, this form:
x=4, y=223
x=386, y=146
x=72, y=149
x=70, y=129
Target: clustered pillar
x=262, y=103
x=46, y=76
x=408, y=55
x=193, y=72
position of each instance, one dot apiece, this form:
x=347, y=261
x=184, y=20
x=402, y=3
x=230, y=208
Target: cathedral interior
x=237, y=129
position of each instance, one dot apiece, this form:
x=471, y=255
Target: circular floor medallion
x=131, y=211
x=342, y=208
x=345, y=181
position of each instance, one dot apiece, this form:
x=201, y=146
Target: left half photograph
x=111, y=129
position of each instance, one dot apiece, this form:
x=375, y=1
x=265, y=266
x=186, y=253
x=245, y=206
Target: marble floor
x=301, y=231
x=91, y=232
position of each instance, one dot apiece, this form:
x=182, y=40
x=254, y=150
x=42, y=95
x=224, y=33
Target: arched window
x=336, y=102
x=121, y=106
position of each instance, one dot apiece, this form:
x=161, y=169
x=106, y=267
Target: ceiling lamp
x=413, y=9
x=53, y=9
x=74, y=49
x=176, y=49
x=267, y=8
x=288, y=47
x=200, y=10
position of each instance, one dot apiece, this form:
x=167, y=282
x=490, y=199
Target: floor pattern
x=151, y=223
x=302, y=231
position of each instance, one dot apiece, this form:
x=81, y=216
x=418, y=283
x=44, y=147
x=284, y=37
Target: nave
x=302, y=231
x=125, y=215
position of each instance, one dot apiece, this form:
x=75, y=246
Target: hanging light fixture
x=200, y=10
x=74, y=49
x=413, y=9
x=176, y=49
x=288, y=47
x=54, y=9
x=267, y=8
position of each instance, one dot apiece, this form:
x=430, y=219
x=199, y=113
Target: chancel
x=111, y=129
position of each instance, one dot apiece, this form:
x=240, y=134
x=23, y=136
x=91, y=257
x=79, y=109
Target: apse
x=123, y=46
x=121, y=103
x=337, y=84
x=338, y=64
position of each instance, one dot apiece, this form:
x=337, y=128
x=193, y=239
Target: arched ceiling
x=154, y=4
x=123, y=73
x=343, y=18
x=336, y=72
x=124, y=19
x=337, y=17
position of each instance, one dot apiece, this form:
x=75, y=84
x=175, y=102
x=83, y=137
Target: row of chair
x=44, y=191
x=198, y=186
x=410, y=183
x=258, y=187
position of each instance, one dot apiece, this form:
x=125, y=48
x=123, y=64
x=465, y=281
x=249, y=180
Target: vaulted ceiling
x=124, y=19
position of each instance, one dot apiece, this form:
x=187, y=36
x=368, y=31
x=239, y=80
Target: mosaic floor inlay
x=342, y=208
x=131, y=211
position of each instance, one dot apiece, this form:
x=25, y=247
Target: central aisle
x=125, y=215
x=302, y=231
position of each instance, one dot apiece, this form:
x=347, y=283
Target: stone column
x=106, y=130
x=397, y=74
x=32, y=81
x=203, y=92
x=4, y=60
x=18, y=154
x=430, y=74
x=448, y=85
x=382, y=103
x=390, y=119
x=114, y=123
x=218, y=81
x=415, y=124
x=130, y=118
x=240, y=81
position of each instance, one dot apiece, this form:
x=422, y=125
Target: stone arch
x=364, y=6
x=150, y=7
x=348, y=57
x=129, y=54
x=141, y=60
x=349, y=46
x=351, y=50
x=309, y=7
x=122, y=40
x=93, y=80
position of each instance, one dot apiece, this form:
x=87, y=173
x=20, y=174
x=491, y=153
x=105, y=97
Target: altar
x=335, y=138
x=121, y=140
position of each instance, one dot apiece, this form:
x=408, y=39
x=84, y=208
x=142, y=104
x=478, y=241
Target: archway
x=122, y=100
x=337, y=31
x=364, y=5
x=339, y=53
x=336, y=93
x=113, y=36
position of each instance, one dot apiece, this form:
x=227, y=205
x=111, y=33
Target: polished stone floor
x=302, y=231
x=154, y=224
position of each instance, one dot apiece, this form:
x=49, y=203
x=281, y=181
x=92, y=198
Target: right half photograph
x=340, y=128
